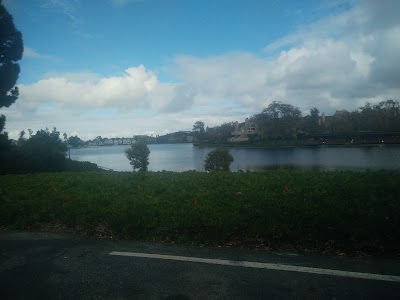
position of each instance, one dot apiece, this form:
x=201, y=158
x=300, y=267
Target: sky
x=126, y=67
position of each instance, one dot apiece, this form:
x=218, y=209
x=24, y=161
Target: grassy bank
x=340, y=210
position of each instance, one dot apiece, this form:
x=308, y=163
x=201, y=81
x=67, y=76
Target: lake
x=184, y=157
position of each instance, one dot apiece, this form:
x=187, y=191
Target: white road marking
x=269, y=266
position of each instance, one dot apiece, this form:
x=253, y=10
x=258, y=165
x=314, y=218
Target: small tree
x=138, y=154
x=218, y=160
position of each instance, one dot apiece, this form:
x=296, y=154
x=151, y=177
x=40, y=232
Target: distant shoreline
x=94, y=146
x=234, y=145
x=263, y=146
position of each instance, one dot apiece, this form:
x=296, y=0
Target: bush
x=218, y=160
x=80, y=166
x=138, y=154
x=44, y=152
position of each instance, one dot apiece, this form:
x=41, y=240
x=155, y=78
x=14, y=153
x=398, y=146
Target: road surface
x=66, y=266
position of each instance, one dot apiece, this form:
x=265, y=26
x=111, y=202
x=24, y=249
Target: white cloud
x=340, y=61
x=32, y=53
x=29, y=52
x=136, y=88
x=67, y=8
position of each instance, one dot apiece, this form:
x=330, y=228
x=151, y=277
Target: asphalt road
x=67, y=266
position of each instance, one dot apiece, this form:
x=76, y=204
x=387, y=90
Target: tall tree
x=314, y=113
x=389, y=114
x=98, y=140
x=344, y=122
x=11, y=49
x=279, y=120
x=74, y=141
x=198, y=127
x=199, y=132
x=138, y=155
x=311, y=122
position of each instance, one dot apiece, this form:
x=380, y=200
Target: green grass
x=342, y=210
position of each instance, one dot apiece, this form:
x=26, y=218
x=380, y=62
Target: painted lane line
x=268, y=266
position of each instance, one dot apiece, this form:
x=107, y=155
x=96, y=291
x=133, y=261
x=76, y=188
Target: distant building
x=126, y=141
x=244, y=131
x=108, y=142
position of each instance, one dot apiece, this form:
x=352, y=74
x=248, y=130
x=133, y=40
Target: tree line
x=281, y=121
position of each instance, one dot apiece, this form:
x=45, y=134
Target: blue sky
x=121, y=67
x=106, y=36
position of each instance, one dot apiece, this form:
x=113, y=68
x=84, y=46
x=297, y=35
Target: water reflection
x=183, y=157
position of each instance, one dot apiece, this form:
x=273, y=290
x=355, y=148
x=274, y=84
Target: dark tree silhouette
x=279, y=120
x=11, y=48
x=198, y=127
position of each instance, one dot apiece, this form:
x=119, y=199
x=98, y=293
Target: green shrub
x=218, y=160
x=81, y=166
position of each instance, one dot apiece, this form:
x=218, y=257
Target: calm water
x=183, y=157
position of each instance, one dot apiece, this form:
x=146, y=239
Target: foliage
x=198, y=127
x=279, y=120
x=199, y=131
x=343, y=122
x=221, y=133
x=5, y=146
x=43, y=152
x=381, y=117
x=340, y=210
x=80, y=166
x=98, y=140
x=176, y=137
x=74, y=141
x=2, y=122
x=311, y=122
x=384, y=116
x=218, y=160
x=138, y=154
x=11, y=48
